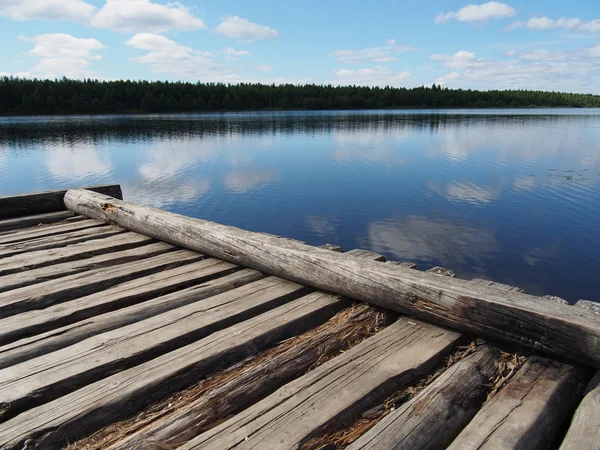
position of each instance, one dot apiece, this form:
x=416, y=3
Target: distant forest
x=66, y=96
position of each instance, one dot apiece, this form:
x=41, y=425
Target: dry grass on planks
x=506, y=367
x=114, y=433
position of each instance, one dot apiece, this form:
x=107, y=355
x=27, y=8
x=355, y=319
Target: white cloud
x=240, y=182
x=375, y=54
x=511, y=52
x=263, y=68
x=478, y=13
x=238, y=28
x=62, y=54
x=233, y=52
x=133, y=16
x=375, y=76
x=168, y=57
x=391, y=42
x=546, y=23
x=75, y=10
x=573, y=71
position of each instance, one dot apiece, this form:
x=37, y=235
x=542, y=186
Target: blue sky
x=550, y=45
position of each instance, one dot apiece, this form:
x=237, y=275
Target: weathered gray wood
x=505, y=287
x=432, y=419
x=77, y=414
x=366, y=254
x=50, y=292
x=64, y=336
x=41, y=258
x=584, y=432
x=31, y=221
x=442, y=271
x=122, y=295
x=332, y=247
x=39, y=275
x=45, y=202
x=513, y=317
x=529, y=411
x=249, y=385
x=588, y=305
x=49, y=376
x=47, y=230
x=58, y=241
x=555, y=299
x=406, y=264
x=335, y=392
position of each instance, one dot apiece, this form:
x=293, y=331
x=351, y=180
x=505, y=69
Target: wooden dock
x=127, y=327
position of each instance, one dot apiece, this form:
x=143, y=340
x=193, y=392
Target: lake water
x=508, y=195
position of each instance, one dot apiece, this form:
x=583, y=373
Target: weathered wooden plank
x=335, y=392
x=529, y=411
x=366, y=254
x=64, y=336
x=504, y=287
x=119, y=296
x=47, y=230
x=584, y=432
x=31, y=221
x=49, y=376
x=39, y=275
x=512, y=317
x=77, y=414
x=50, y=292
x=41, y=258
x=58, y=241
x=45, y=202
x=252, y=383
x=433, y=418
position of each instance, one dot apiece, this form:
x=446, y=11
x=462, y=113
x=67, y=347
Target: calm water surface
x=509, y=195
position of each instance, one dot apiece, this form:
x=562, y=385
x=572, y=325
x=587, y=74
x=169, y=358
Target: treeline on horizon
x=67, y=96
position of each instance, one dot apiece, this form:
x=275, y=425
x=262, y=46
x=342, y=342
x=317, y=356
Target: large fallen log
x=512, y=317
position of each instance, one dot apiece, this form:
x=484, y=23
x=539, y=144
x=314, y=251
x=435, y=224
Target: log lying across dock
x=507, y=316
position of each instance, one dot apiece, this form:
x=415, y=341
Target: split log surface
x=75, y=415
x=45, y=202
x=512, y=317
x=335, y=392
x=49, y=230
x=49, y=376
x=50, y=292
x=250, y=385
x=39, y=275
x=584, y=432
x=57, y=326
x=31, y=221
x=433, y=418
x=61, y=240
x=529, y=411
x=41, y=258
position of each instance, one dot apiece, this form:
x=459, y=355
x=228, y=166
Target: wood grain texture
x=158, y=284
x=584, y=432
x=49, y=376
x=31, y=221
x=504, y=287
x=249, y=386
x=78, y=414
x=516, y=318
x=45, y=202
x=42, y=258
x=336, y=392
x=47, y=230
x=64, y=336
x=433, y=418
x=61, y=240
x=42, y=295
x=39, y=275
x=529, y=411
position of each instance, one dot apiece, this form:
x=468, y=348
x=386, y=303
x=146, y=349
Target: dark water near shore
x=509, y=195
